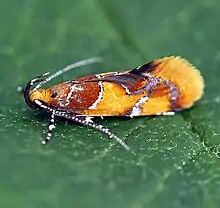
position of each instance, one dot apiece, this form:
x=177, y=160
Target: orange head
x=41, y=94
x=49, y=96
x=36, y=94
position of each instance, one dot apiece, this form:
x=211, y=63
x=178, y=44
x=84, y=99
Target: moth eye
x=54, y=94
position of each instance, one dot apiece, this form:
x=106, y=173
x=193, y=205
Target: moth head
x=41, y=94
x=30, y=96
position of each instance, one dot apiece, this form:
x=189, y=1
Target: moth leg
x=51, y=127
x=87, y=121
x=82, y=119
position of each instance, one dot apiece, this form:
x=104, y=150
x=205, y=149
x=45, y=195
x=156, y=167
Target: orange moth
x=159, y=87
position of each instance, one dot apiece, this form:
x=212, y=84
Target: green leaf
x=174, y=161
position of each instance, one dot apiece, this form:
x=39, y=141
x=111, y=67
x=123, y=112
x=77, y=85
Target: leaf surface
x=174, y=161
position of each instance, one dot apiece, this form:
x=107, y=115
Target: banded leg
x=51, y=127
x=85, y=120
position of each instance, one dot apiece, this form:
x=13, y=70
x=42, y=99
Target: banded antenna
x=68, y=68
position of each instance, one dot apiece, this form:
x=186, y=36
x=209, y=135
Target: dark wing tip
x=146, y=68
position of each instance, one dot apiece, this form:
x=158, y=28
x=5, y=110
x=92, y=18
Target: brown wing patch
x=74, y=96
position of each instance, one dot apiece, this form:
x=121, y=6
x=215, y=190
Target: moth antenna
x=68, y=68
x=85, y=120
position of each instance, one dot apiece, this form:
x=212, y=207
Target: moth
x=159, y=87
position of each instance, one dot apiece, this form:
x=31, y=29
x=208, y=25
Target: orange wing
x=116, y=101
